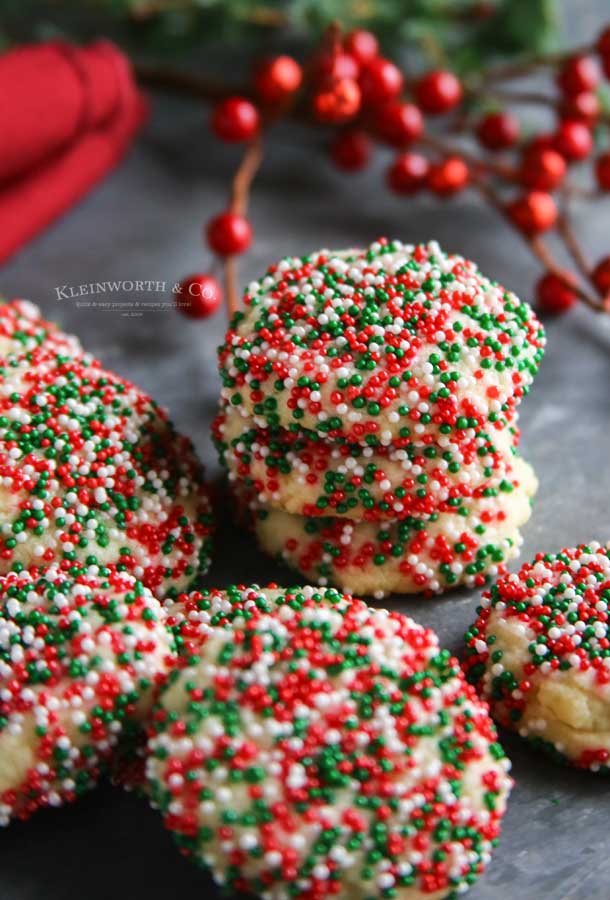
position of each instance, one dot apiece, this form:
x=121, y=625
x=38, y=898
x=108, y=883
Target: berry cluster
x=350, y=87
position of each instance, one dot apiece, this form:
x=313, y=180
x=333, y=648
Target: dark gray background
x=145, y=222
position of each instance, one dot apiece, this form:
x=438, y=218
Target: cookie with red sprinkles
x=22, y=328
x=393, y=341
x=469, y=545
x=302, y=474
x=539, y=652
x=313, y=747
x=91, y=470
x=82, y=651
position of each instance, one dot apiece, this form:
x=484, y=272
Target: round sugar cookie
x=80, y=655
x=403, y=557
x=304, y=475
x=22, y=329
x=92, y=471
x=539, y=652
x=313, y=747
x=371, y=345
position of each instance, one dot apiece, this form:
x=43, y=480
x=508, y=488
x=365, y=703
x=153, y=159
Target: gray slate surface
x=144, y=223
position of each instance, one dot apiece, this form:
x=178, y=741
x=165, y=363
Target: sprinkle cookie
x=301, y=474
x=22, y=329
x=80, y=655
x=372, y=345
x=92, y=471
x=539, y=652
x=312, y=747
x=368, y=417
x=468, y=547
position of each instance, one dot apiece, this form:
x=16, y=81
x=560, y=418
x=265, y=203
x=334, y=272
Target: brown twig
x=524, y=67
x=565, y=230
x=199, y=86
x=244, y=176
x=240, y=196
x=535, y=98
x=542, y=253
x=539, y=248
x=477, y=163
x=231, y=285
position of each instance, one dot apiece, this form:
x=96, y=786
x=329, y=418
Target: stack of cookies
x=368, y=417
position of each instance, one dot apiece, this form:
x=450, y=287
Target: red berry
x=339, y=103
x=275, y=79
x=554, y=295
x=542, y=169
x=448, y=177
x=399, y=123
x=351, y=150
x=200, y=296
x=533, y=212
x=408, y=173
x=363, y=45
x=331, y=66
x=603, y=43
x=601, y=276
x=438, y=92
x=229, y=233
x=497, y=131
x=602, y=171
x=380, y=80
x=574, y=139
x=235, y=119
x=578, y=74
x=585, y=107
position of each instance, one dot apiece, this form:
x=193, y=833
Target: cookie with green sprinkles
x=302, y=474
x=82, y=652
x=312, y=747
x=394, y=341
x=468, y=546
x=22, y=328
x=539, y=652
x=92, y=471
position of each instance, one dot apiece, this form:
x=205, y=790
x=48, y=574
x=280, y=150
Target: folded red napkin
x=67, y=116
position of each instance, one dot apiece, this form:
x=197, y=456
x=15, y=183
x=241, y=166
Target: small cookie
x=304, y=475
x=371, y=345
x=92, y=471
x=405, y=557
x=313, y=747
x=539, y=652
x=80, y=654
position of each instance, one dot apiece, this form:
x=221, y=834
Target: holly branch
x=446, y=137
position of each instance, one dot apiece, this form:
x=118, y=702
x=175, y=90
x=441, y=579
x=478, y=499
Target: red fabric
x=67, y=116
